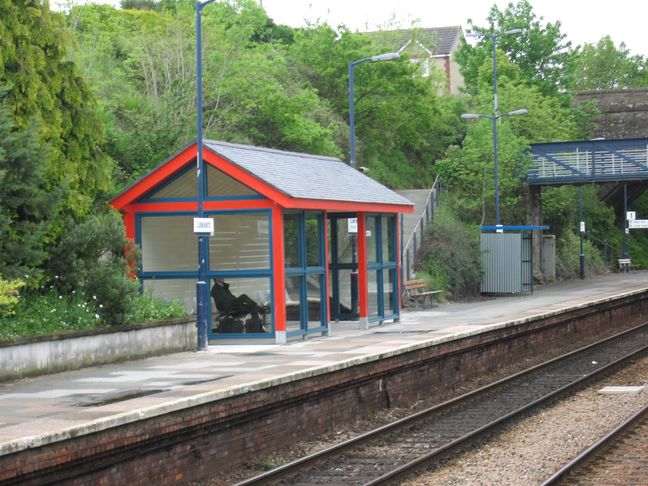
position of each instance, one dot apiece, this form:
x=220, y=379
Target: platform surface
x=50, y=408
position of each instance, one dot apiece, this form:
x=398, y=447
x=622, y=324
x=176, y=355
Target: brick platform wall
x=201, y=441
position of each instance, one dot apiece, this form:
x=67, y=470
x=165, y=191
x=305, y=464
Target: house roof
x=305, y=176
x=279, y=175
x=439, y=41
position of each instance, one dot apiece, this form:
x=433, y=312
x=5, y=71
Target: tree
x=402, y=124
x=604, y=66
x=541, y=52
x=45, y=89
x=467, y=171
x=29, y=210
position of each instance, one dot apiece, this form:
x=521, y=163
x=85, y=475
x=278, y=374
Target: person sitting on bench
x=236, y=307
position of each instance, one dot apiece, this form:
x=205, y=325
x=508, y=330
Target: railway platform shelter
x=299, y=240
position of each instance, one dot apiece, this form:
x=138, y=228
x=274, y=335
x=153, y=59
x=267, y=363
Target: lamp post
x=494, y=118
x=389, y=56
x=494, y=36
x=202, y=286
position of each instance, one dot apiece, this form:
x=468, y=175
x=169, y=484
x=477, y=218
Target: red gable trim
x=155, y=178
x=186, y=156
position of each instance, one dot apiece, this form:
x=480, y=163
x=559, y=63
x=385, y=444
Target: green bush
x=9, y=295
x=90, y=259
x=147, y=308
x=48, y=313
x=450, y=257
x=51, y=313
x=568, y=257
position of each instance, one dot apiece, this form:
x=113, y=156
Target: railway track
x=619, y=458
x=398, y=449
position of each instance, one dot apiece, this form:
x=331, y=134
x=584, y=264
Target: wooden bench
x=625, y=265
x=415, y=292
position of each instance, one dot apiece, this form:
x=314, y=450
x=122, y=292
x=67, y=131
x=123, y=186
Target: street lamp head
x=388, y=56
x=522, y=111
x=512, y=31
x=470, y=116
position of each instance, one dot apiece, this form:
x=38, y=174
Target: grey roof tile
x=439, y=40
x=306, y=176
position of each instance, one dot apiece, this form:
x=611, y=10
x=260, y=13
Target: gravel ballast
x=529, y=451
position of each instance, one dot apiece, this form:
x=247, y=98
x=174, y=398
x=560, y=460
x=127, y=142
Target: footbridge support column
x=534, y=218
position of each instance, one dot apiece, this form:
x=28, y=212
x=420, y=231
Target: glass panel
x=291, y=239
x=315, y=307
x=183, y=186
x=329, y=255
x=183, y=290
x=168, y=244
x=344, y=286
x=241, y=305
x=388, y=239
x=346, y=241
x=389, y=285
x=220, y=184
x=313, y=243
x=293, y=303
x=241, y=241
x=372, y=240
x=372, y=284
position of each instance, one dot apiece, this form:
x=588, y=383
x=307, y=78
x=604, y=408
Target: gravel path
x=531, y=450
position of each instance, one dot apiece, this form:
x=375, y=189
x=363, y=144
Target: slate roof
x=439, y=40
x=306, y=176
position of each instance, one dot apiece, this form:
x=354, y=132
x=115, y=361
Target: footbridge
x=618, y=167
x=593, y=161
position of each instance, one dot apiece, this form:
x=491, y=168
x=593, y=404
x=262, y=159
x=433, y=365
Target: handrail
x=427, y=202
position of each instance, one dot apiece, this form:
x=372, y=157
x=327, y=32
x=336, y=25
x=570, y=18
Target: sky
x=581, y=20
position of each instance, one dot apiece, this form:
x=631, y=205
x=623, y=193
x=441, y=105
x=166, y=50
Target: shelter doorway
x=305, y=273
x=344, y=266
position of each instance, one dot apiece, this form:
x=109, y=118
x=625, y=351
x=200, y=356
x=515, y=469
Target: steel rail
x=591, y=451
x=295, y=467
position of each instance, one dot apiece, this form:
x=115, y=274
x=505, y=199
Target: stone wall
x=624, y=112
x=51, y=354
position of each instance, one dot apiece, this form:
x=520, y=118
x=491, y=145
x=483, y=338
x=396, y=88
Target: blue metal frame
x=513, y=228
x=303, y=270
x=382, y=266
x=146, y=198
x=335, y=267
x=210, y=273
x=549, y=152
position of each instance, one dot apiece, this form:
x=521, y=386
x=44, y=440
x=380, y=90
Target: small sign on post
x=203, y=226
x=582, y=226
x=638, y=223
x=630, y=215
x=352, y=225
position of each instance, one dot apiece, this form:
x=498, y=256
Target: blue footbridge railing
x=589, y=161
